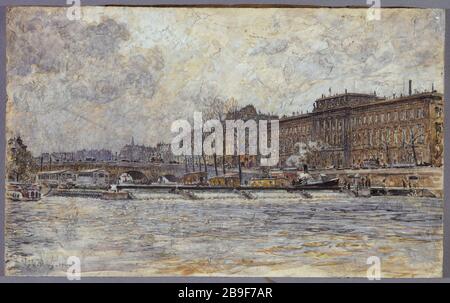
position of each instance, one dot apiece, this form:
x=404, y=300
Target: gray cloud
x=84, y=58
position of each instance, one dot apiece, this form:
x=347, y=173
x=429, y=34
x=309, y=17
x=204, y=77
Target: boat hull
x=98, y=194
x=332, y=183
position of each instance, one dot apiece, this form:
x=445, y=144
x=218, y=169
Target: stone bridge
x=143, y=172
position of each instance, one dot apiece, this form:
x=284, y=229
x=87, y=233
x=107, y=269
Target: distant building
x=61, y=157
x=137, y=153
x=351, y=129
x=92, y=155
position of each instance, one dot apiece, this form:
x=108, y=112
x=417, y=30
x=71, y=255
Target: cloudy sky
x=121, y=72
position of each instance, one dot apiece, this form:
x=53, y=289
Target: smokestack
x=410, y=87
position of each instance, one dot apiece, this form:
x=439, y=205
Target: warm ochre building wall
x=353, y=128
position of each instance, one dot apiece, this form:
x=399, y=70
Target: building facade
x=353, y=130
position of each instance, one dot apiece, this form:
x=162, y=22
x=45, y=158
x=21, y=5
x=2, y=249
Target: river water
x=222, y=234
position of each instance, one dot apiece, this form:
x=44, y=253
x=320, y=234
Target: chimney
x=410, y=87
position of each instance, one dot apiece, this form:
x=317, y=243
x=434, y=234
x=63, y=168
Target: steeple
x=132, y=141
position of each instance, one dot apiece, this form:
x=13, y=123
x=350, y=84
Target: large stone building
x=351, y=130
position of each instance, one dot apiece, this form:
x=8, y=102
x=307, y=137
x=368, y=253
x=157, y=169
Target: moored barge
x=23, y=192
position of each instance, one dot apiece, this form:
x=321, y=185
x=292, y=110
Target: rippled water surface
x=221, y=234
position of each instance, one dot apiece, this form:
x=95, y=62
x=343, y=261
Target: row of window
x=383, y=138
x=333, y=139
x=404, y=115
x=369, y=119
x=386, y=137
x=330, y=123
x=298, y=129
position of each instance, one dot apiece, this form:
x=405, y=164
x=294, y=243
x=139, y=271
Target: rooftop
x=373, y=99
x=374, y=96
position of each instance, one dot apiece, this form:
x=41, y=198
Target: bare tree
x=215, y=164
x=384, y=147
x=232, y=113
x=438, y=143
x=415, y=138
x=216, y=108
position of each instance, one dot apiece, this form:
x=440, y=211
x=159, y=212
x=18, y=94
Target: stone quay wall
x=415, y=177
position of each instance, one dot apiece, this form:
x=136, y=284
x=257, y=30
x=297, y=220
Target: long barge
x=97, y=194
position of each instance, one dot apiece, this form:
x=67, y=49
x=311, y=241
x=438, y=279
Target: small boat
x=23, y=192
x=113, y=193
x=306, y=181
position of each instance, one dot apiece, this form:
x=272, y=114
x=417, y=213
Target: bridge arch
x=145, y=173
